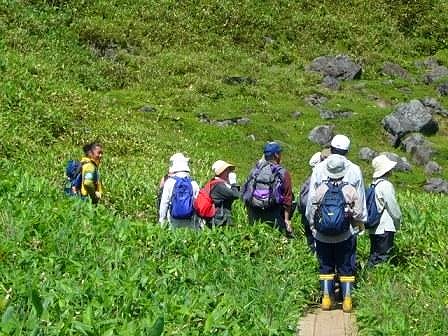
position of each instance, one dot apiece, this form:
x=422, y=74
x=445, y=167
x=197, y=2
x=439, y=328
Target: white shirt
x=168, y=192
x=385, y=200
x=352, y=176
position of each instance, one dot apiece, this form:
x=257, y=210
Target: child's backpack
x=264, y=187
x=73, y=173
x=182, y=198
x=373, y=215
x=203, y=204
x=332, y=217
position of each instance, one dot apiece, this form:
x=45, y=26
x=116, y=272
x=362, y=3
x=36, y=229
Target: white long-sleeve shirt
x=352, y=176
x=386, y=200
x=168, y=192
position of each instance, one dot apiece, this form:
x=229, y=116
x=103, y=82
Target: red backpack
x=203, y=204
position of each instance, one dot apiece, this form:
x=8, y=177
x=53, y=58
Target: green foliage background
x=75, y=71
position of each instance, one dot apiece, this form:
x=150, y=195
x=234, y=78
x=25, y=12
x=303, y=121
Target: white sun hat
x=381, y=165
x=178, y=156
x=219, y=166
x=340, y=141
x=179, y=165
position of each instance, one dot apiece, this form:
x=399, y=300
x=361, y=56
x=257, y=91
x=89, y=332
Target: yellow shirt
x=90, y=178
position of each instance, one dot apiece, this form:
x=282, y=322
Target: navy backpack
x=373, y=215
x=331, y=216
x=73, y=173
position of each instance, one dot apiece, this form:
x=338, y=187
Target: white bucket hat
x=315, y=159
x=219, y=166
x=336, y=166
x=178, y=156
x=381, y=165
x=340, y=141
x=179, y=165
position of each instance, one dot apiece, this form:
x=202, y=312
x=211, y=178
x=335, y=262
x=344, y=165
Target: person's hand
x=232, y=178
x=98, y=195
x=288, y=228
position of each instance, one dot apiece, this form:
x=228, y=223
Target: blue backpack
x=331, y=216
x=73, y=173
x=182, y=198
x=373, y=215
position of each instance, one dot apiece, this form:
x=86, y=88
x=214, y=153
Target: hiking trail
x=327, y=323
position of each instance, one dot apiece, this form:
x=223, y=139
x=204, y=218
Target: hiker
x=179, y=192
x=223, y=190
x=382, y=236
x=173, y=158
x=91, y=186
x=267, y=192
x=335, y=216
x=303, y=198
x=339, y=146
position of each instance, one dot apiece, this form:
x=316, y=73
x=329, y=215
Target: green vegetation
x=75, y=71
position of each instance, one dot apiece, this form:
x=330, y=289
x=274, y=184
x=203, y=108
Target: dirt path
x=327, y=323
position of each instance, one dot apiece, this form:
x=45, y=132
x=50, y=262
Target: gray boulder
x=367, y=154
x=316, y=99
x=331, y=83
x=394, y=70
x=434, y=106
x=340, y=67
x=436, y=185
x=321, y=135
x=432, y=168
x=435, y=73
x=410, y=117
x=420, y=148
x=329, y=114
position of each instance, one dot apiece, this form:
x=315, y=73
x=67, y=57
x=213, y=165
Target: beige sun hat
x=336, y=166
x=381, y=165
x=219, y=166
x=315, y=159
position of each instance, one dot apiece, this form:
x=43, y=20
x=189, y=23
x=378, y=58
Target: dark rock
x=432, y=168
x=410, y=117
x=340, y=67
x=331, y=83
x=443, y=89
x=328, y=114
x=148, y=109
x=434, y=106
x=394, y=70
x=296, y=115
x=436, y=185
x=316, y=99
x=239, y=80
x=321, y=135
x=367, y=154
x=402, y=162
x=420, y=148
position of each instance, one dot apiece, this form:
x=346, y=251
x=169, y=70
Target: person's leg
x=325, y=255
x=381, y=246
x=345, y=263
x=308, y=234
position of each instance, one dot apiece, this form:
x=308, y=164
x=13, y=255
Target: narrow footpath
x=327, y=323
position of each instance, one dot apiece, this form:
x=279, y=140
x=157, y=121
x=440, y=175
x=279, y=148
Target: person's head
x=340, y=144
x=382, y=166
x=93, y=151
x=222, y=169
x=272, y=151
x=335, y=167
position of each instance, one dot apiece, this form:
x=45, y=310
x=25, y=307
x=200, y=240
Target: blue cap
x=272, y=148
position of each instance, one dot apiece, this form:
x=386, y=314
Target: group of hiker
x=334, y=204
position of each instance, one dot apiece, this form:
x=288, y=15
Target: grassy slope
x=57, y=94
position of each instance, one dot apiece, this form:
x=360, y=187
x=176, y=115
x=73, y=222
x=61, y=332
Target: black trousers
x=380, y=247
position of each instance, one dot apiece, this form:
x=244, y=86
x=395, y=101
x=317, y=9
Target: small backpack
x=182, y=198
x=203, y=204
x=331, y=216
x=264, y=187
x=373, y=215
x=73, y=173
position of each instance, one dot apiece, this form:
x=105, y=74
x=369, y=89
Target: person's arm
x=221, y=192
x=390, y=203
x=165, y=201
